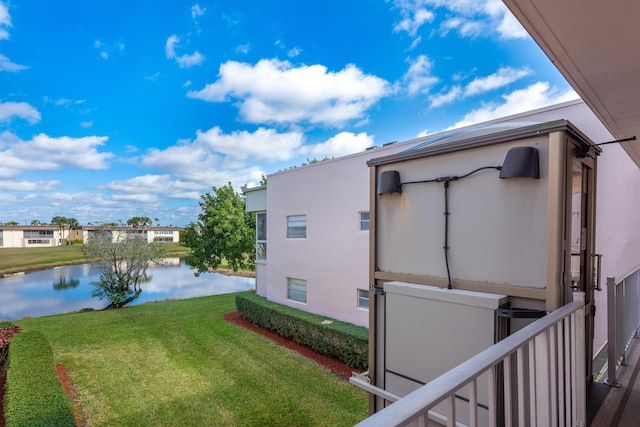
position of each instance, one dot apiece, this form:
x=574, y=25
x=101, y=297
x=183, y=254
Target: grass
x=181, y=363
x=18, y=259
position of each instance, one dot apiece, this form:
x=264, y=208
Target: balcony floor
x=621, y=406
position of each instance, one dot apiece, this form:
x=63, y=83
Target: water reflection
x=65, y=283
x=32, y=294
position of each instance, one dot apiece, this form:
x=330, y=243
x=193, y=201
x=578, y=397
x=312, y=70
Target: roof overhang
x=460, y=142
x=594, y=44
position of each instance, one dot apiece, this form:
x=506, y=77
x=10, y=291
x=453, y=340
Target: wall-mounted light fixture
x=389, y=182
x=520, y=162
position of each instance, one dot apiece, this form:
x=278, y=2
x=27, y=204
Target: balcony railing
x=536, y=376
x=623, y=320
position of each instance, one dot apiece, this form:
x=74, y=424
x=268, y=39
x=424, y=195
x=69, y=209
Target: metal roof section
x=475, y=137
x=469, y=132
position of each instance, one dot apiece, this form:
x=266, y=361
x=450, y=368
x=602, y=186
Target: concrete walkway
x=621, y=407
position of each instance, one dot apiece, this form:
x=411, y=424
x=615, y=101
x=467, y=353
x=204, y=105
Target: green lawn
x=179, y=363
x=14, y=259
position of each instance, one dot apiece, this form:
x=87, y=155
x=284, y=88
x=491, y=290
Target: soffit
x=596, y=46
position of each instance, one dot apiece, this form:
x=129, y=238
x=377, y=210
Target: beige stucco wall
x=496, y=226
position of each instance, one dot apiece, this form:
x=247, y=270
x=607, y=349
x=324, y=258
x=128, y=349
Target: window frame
x=261, y=243
x=291, y=282
x=362, y=298
x=362, y=221
x=291, y=228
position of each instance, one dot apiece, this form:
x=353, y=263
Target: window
x=297, y=227
x=297, y=290
x=261, y=236
x=38, y=242
x=364, y=221
x=363, y=299
x=34, y=234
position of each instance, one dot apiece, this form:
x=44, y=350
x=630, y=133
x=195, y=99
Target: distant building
x=30, y=236
x=152, y=234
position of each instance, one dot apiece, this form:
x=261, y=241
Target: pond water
x=66, y=289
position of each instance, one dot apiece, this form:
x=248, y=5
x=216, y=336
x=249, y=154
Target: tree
x=72, y=223
x=61, y=222
x=126, y=258
x=224, y=232
x=137, y=221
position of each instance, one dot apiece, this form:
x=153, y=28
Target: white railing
x=623, y=320
x=539, y=371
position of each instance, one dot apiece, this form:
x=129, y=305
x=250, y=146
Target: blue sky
x=114, y=109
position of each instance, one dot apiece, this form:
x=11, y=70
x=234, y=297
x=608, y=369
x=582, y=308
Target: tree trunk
x=124, y=302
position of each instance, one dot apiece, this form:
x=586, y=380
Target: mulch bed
x=336, y=366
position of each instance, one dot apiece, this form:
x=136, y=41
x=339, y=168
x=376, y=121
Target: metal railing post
x=612, y=345
x=580, y=362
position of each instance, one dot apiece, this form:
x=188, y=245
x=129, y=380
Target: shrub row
x=341, y=340
x=34, y=395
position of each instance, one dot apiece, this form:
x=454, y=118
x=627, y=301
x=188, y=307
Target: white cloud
x=197, y=11
x=213, y=149
x=138, y=198
x=86, y=124
x=413, y=19
x=153, y=77
x=510, y=28
x=5, y=21
x=500, y=78
x=503, y=77
x=28, y=185
x=263, y=144
x=106, y=50
x=22, y=110
x=150, y=187
x=215, y=158
x=419, y=79
x=446, y=97
x=7, y=65
x=183, y=61
x=465, y=27
x=243, y=48
x=64, y=102
x=292, y=53
x=43, y=152
x=339, y=145
x=534, y=96
x=276, y=91
x=468, y=18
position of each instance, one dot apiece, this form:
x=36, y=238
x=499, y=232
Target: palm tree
x=61, y=222
x=72, y=223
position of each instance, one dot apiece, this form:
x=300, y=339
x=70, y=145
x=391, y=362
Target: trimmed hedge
x=341, y=340
x=34, y=395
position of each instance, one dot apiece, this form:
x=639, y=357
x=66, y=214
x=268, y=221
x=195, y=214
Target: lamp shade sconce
x=521, y=162
x=389, y=182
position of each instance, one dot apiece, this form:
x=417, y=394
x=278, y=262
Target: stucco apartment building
x=31, y=236
x=313, y=221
